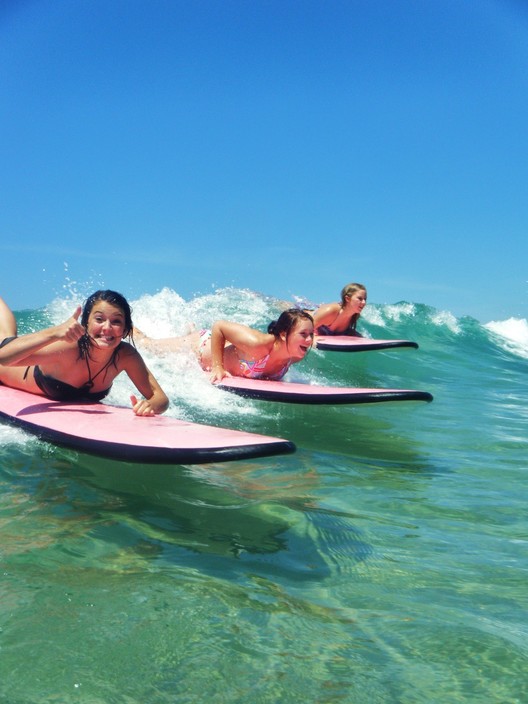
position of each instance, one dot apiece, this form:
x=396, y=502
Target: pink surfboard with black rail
x=293, y=392
x=115, y=432
x=350, y=343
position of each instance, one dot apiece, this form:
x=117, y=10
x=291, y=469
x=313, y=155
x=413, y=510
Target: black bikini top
x=61, y=391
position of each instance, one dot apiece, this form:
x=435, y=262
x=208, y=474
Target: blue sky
x=286, y=146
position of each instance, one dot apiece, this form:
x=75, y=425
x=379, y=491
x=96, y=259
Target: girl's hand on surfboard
x=141, y=408
x=218, y=373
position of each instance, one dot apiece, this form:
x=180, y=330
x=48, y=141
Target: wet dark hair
x=114, y=298
x=287, y=321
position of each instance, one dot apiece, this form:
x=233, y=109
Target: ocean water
x=386, y=561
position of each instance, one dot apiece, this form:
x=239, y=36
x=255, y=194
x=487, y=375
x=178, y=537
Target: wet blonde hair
x=350, y=290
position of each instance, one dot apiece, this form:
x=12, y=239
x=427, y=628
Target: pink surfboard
x=292, y=392
x=115, y=432
x=350, y=343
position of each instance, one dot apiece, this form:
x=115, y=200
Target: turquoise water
x=386, y=561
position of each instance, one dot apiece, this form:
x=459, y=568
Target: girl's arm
x=155, y=400
x=245, y=339
x=21, y=351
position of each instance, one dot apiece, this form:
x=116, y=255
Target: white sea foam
x=512, y=334
x=445, y=318
x=396, y=312
x=374, y=316
x=166, y=313
x=11, y=434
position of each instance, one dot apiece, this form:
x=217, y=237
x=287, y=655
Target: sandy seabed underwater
x=385, y=561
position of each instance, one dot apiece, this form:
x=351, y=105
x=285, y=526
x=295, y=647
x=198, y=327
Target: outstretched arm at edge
x=19, y=351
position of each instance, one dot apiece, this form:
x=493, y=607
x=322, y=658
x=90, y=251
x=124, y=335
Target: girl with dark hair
x=232, y=349
x=341, y=318
x=78, y=361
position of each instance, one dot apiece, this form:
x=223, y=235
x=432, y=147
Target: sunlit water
x=386, y=561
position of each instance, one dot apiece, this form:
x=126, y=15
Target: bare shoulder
x=239, y=334
x=327, y=309
x=128, y=353
x=257, y=337
x=253, y=343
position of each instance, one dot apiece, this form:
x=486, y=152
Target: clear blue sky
x=286, y=146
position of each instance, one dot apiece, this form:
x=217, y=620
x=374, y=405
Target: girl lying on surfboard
x=341, y=318
x=232, y=349
x=78, y=361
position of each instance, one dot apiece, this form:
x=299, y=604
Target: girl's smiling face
x=106, y=324
x=300, y=339
x=357, y=301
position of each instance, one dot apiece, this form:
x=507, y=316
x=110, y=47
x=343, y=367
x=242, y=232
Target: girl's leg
x=168, y=344
x=8, y=326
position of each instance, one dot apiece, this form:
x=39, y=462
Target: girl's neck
x=279, y=351
x=101, y=356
